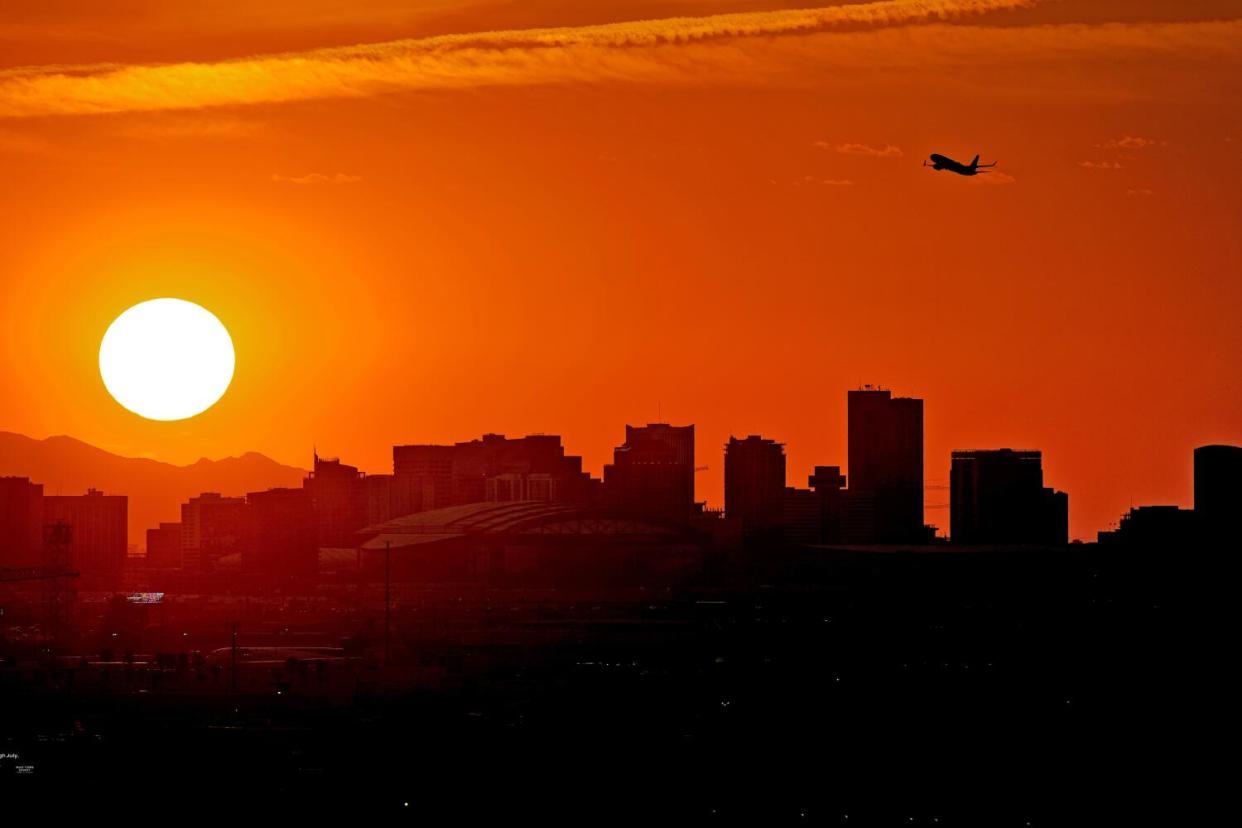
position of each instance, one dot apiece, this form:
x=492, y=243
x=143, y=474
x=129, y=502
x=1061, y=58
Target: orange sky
x=468, y=226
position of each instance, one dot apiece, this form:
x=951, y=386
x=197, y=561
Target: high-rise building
x=885, y=503
x=164, y=546
x=100, y=525
x=652, y=473
x=495, y=466
x=339, y=499
x=21, y=522
x=801, y=517
x=1218, y=492
x=212, y=526
x=384, y=498
x=998, y=496
x=1162, y=528
x=829, y=486
x=282, y=536
x=754, y=490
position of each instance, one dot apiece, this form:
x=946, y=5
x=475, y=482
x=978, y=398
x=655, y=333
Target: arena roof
x=515, y=517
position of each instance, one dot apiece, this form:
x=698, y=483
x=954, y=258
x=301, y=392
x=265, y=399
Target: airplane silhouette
x=943, y=162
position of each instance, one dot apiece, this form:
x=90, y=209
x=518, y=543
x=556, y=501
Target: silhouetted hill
x=156, y=490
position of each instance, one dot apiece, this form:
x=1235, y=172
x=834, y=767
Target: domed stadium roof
x=509, y=518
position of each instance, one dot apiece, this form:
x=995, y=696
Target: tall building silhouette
x=754, y=492
x=21, y=522
x=998, y=496
x=829, y=486
x=1218, y=491
x=338, y=497
x=652, y=473
x=212, y=526
x=885, y=503
x=100, y=529
x=1161, y=528
x=164, y=546
x=282, y=533
x=534, y=467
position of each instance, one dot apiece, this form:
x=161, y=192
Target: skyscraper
x=100, y=524
x=829, y=486
x=212, y=526
x=1218, y=491
x=754, y=481
x=535, y=467
x=885, y=503
x=338, y=496
x=652, y=473
x=998, y=496
x=21, y=522
x=281, y=540
x=164, y=546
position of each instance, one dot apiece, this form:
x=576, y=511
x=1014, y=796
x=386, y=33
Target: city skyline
x=997, y=495
x=678, y=411
x=715, y=244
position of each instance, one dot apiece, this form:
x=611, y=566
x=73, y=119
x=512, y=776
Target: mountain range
x=156, y=490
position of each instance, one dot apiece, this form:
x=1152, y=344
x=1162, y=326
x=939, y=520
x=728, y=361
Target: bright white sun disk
x=166, y=359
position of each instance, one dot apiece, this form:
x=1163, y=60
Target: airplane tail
x=974, y=164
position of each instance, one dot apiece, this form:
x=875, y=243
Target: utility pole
x=387, y=600
x=233, y=671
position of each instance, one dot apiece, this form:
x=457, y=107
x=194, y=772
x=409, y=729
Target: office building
x=212, y=526
x=164, y=546
x=998, y=497
x=754, y=482
x=490, y=468
x=652, y=473
x=885, y=503
x=1218, y=492
x=99, y=524
x=21, y=522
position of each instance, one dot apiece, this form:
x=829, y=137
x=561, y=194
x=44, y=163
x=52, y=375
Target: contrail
x=586, y=53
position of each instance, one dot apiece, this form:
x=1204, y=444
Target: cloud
x=887, y=151
x=1130, y=142
x=994, y=178
x=1100, y=165
x=1139, y=193
x=812, y=181
x=316, y=178
x=609, y=51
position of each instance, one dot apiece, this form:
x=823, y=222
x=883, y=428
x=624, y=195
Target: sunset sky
x=425, y=220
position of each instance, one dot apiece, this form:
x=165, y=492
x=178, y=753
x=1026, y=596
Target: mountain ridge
x=156, y=489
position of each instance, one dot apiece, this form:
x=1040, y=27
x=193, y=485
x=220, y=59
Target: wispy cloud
x=1130, y=142
x=620, y=50
x=813, y=181
x=316, y=178
x=886, y=151
x=993, y=179
x=1138, y=193
x=1100, y=165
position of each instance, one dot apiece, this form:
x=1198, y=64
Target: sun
x=166, y=359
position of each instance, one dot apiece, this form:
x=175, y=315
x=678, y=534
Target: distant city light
x=146, y=598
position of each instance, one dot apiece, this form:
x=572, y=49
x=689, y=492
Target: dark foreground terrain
x=1005, y=688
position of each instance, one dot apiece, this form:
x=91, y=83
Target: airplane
x=943, y=162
